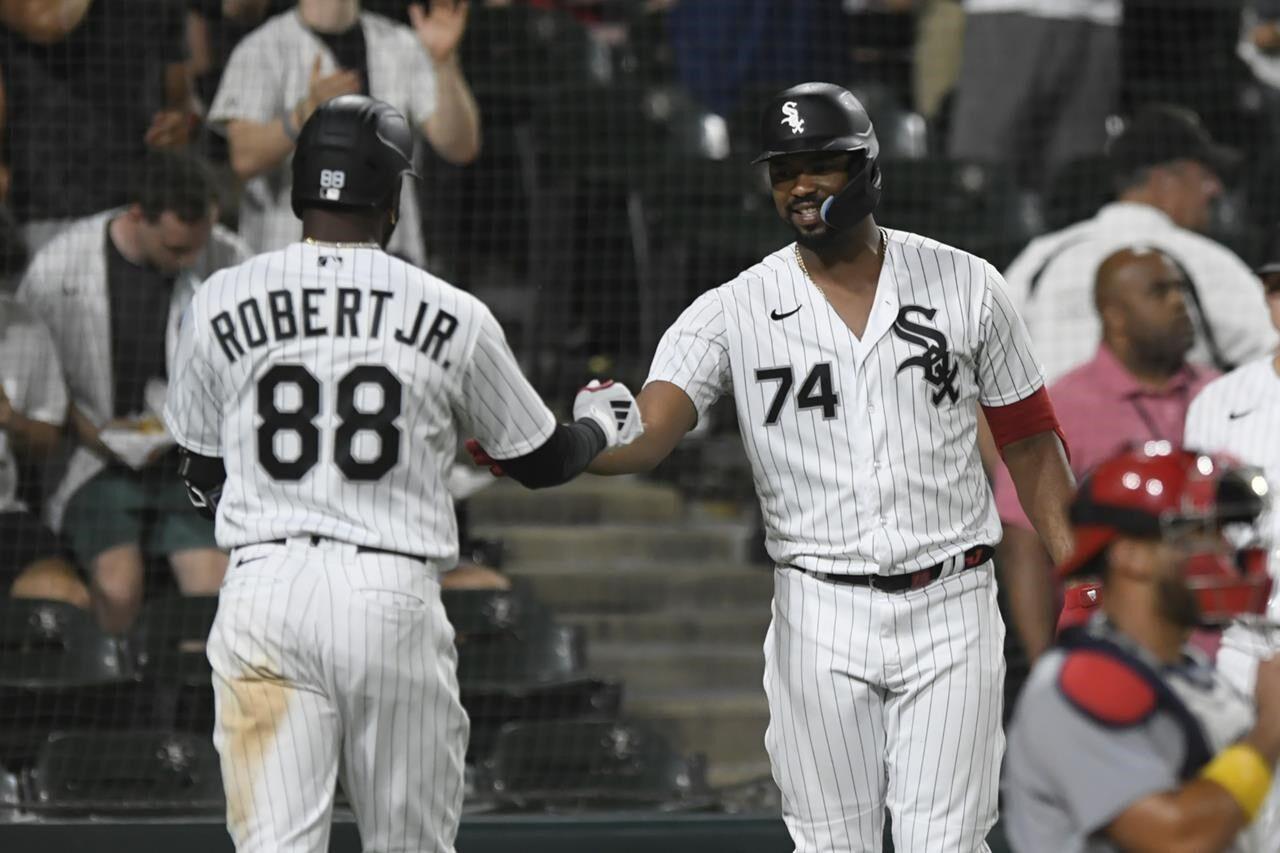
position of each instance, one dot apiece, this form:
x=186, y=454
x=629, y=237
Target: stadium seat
x=141, y=771
x=485, y=612
x=57, y=671
x=170, y=642
x=529, y=53
x=1076, y=191
x=539, y=675
x=592, y=763
x=546, y=655
x=972, y=206
x=176, y=623
x=49, y=643
x=10, y=792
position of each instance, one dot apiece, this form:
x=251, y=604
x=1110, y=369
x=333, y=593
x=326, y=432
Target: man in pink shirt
x=1136, y=389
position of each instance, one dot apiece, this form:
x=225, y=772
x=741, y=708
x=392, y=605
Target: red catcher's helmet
x=1159, y=491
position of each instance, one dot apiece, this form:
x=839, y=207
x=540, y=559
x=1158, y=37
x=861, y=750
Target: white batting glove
x=611, y=405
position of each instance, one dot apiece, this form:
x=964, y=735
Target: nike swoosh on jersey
x=1233, y=416
x=774, y=315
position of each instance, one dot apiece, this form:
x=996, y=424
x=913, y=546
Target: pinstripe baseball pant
x=886, y=699
x=329, y=661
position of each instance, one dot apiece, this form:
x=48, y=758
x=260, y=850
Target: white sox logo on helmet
x=791, y=117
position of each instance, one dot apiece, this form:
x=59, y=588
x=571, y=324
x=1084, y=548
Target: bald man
x=1137, y=388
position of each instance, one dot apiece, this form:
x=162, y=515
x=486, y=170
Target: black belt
x=360, y=549
x=975, y=556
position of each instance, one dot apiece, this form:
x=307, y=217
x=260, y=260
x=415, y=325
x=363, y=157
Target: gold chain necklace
x=311, y=241
x=804, y=269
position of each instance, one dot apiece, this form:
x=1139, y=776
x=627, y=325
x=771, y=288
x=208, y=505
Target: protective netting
x=609, y=633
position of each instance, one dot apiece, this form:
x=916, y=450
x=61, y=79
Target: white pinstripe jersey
x=331, y=381
x=864, y=452
x=1239, y=414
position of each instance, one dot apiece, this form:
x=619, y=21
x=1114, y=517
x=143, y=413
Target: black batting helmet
x=352, y=153
x=815, y=117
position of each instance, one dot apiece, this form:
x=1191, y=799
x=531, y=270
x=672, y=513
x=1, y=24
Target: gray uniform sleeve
x=1085, y=772
x=498, y=405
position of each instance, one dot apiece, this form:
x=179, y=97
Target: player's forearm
x=257, y=148
x=88, y=434
x=667, y=413
x=1045, y=485
x=32, y=439
x=1200, y=817
x=562, y=457
x=638, y=457
x=1025, y=573
x=454, y=128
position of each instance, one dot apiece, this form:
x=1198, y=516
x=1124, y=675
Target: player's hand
x=1266, y=694
x=325, y=87
x=613, y=407
x=482, y=459
x=1266, y=36
x=169, y=129
x=440, y=30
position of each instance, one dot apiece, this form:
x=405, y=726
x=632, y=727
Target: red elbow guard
x=1024, y=419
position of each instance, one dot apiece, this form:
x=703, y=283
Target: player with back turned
x=857, y=358
x=317, y=402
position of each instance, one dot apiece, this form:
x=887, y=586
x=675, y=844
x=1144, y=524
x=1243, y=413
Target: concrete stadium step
x=656, y=668
x=586, y=500
x=744, y=624
x=602, y=590
x=727, y=725
x=616, y=544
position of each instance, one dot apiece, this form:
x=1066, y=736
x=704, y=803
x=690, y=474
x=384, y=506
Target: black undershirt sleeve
x=563, y=456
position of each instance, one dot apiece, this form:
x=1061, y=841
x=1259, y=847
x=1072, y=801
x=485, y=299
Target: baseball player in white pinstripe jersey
x=857, y=358
x=1239, y=414
x=317, y=398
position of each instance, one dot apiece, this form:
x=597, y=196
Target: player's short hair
x=175, y=182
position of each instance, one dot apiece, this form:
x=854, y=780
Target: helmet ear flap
x=857, y=200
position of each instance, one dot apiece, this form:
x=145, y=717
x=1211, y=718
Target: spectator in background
x=1167, y=174
x=214, y=28
x=722, y=47
x=90, y=85
x=1259, y=48
x=1136, y=388
x=939, y=53
x=323, y=48
x=33, y=407
x=112, y=289
x=1037, y=82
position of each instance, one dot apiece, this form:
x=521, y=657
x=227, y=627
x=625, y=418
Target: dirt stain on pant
x=250, y=711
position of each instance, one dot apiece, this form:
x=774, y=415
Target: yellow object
x=1245, y=775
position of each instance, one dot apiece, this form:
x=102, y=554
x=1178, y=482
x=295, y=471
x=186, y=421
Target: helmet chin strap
x=856, y=201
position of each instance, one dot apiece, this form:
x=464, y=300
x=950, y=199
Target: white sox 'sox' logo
x=791, y=117
x=939, y=371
